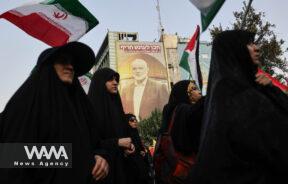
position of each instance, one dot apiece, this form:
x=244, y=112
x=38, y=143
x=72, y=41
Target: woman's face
x=65, y=72
x=254, y=53
x=194, y=93
x=133, y=122
x=112, y=86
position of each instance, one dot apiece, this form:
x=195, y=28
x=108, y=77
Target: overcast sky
x=19, y=51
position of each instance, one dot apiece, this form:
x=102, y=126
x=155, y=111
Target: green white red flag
x=55, y=22
x=85, y=81
x=208, y=9
x=190, y=59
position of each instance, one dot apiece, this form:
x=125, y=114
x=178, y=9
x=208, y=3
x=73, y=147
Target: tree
x=270, y=46
x=148, y=128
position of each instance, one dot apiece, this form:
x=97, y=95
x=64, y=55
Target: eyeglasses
x=132, y=119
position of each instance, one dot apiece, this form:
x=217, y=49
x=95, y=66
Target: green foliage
x=148, y=128
x=270, y=46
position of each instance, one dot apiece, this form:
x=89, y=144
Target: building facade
x=173, y=49
x=147, y=69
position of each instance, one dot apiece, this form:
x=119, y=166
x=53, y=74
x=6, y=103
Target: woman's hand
x=129, y=150
x=262, y=79
x=101, y=168
x=125, y=142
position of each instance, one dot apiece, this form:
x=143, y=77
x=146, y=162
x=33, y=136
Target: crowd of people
x=236, y=134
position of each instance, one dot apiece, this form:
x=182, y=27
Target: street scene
x=143, y=92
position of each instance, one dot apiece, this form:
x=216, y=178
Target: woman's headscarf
x=110, y=119
x=239, y=129
x=230, y=61
x=46, y=110
x=177, y=96
x=233, y=69
x=128, y=116
x=108, y=107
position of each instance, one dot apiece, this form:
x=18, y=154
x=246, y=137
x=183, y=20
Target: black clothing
x=81, y=56
x=187, y=121
x=178, y=95
x=108, y=107
x=45, y=110
x=245, y=125
x=185, y=132
x=111, y=121
x=187, y=126
x=138, y=164
x=134, y=134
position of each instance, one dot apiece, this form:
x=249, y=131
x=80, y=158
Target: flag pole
x=245, y=14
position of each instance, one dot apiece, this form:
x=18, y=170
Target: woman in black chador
x=244, y=137
x=138, y=162
x=186, y=105
x=110, y=119
x=51, y=107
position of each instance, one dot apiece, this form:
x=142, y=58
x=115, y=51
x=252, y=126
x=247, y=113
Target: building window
x=127, y=36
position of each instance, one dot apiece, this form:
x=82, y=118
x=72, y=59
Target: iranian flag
x=85, y=81
x=190, y=59
x=208, y=9
x=55, y=22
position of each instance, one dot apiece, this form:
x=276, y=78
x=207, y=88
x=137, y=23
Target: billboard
x=143, y=77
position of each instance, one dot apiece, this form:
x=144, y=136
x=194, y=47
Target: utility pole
x=245, y=14
x=161, y=37
x=160, y=28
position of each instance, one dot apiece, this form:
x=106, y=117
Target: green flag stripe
x=89, y=75
x=206, y=20
x=76, y=9
x=184, y=62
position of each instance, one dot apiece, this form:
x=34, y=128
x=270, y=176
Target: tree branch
x=245, y=14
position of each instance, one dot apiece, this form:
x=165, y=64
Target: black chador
x=110, y=120
x=46, y=110
x=244, y=137
x=187, y=121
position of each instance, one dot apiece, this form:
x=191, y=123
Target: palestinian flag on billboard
x=55, y=22
x=190, y=59
x=208, y=9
